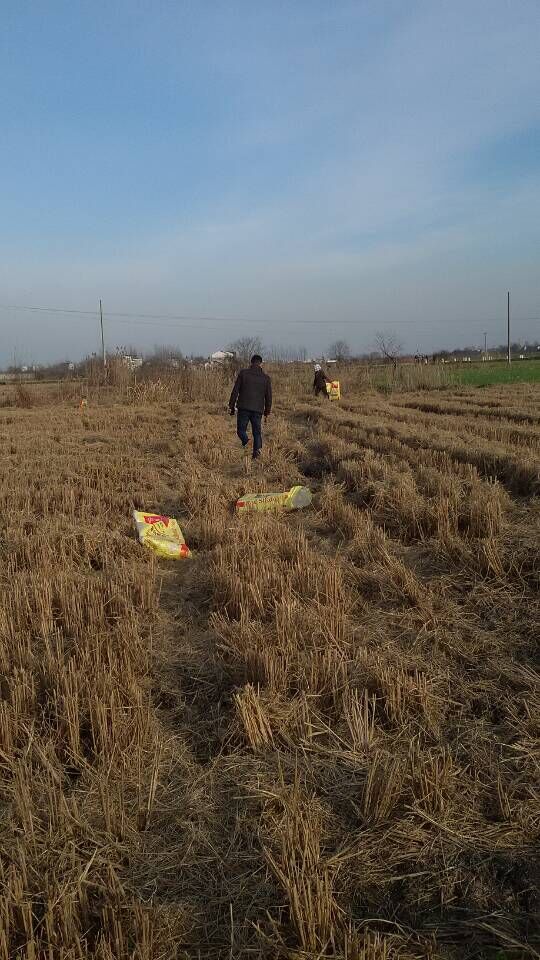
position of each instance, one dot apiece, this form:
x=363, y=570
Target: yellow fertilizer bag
x=294, y=499
x=334, y=390
x=162, y=534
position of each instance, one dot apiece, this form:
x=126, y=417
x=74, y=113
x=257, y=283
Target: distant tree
x=162, y=353
x=55, y=371
x=245, y=347
x=128, y=350
x=286, y=354
x=339, y=350
x=389, y=347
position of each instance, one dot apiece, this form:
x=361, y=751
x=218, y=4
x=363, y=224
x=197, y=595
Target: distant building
x=19, y=375
x=133, y=362
x=221, y=356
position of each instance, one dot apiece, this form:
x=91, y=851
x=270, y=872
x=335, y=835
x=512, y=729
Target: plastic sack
x=162, y=534
x=294, y=499
x=334, y=390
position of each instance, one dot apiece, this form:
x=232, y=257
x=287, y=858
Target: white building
x=221, y=356
x=133, y=362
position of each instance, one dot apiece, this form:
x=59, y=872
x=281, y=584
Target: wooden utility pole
x=485, y=345
x=509, y=358
x=103, y=357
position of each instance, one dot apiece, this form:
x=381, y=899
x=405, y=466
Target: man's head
x=256, y=360
x=317, y=367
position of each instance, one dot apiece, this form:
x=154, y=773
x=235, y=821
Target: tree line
x=386, y=348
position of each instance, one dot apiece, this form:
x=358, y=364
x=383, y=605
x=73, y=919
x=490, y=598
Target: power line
x=86, y=313
x=113, y=313
x=194, y=325
x=178, y=319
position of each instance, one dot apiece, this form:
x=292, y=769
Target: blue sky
x=310, y=170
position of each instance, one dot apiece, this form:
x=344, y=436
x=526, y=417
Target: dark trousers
x=244, y=418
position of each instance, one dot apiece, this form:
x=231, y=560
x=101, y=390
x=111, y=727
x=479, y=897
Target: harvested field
x=317, y=738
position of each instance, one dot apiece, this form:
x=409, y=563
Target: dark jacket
x=320, y=381
x=252, y=391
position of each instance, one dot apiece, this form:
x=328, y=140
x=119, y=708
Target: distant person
x=252, y=397
x=320, y=381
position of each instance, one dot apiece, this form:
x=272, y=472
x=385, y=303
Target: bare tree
x=162, y=353
x=245, y=347
x=389, y=347
x=286, y=354
x=129, y=350
x=339, y=350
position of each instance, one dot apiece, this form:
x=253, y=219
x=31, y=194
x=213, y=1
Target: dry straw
x=319, y=739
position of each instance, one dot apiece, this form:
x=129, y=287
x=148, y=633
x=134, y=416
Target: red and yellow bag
x=294, y=499
x=161, y=534
x=333, y=389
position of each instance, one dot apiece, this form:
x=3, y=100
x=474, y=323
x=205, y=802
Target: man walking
x=252, y=396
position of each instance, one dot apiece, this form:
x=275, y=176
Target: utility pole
x=509, y=358
x=103, y=357
x=485, y=345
